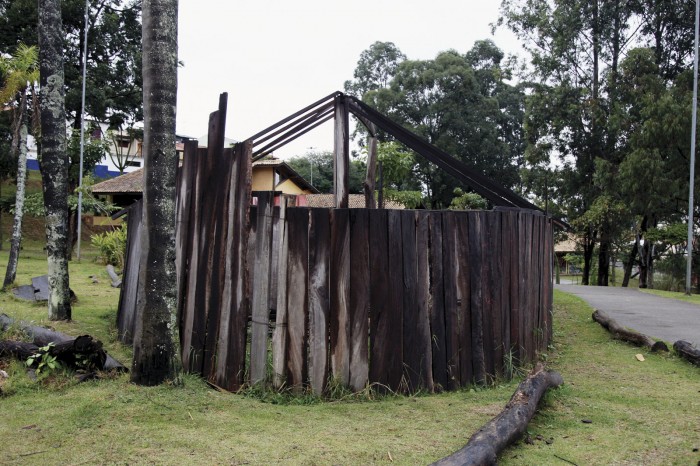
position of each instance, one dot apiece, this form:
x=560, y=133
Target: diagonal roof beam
x=292, y=135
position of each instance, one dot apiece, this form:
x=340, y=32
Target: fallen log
x=81, y=353
x=485, y=445
x=687, y=351
x=42, y=336
x=628, y=335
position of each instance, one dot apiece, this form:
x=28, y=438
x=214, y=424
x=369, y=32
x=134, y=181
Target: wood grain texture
x=340, y=295
x=319, y=298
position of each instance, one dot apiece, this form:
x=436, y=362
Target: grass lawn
x=641, y=412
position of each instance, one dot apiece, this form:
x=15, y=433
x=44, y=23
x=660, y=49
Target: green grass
x=693, y=298
x=642, y=412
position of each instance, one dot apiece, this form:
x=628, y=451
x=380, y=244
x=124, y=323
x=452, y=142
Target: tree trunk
x=644, y=264
x=603, y=263
x=156, y=338
x=629, y=265
x=628, y=335
x=484, y=447
x=588, y=248
x=15, y=241
x=54, y=157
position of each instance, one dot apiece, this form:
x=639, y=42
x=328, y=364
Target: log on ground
x=83, y=352
x=484, y=446
x=42, y=336
x=627, y=335
x=687, y=351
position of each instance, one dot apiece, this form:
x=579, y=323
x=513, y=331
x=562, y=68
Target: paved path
x=663, y=318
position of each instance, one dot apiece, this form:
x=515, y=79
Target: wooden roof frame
x=338, y=106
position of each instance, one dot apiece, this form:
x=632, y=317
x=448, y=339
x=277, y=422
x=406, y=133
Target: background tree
x=156, y=337
x=54, y=159
x=113, y=88
x=19, y=74
x=316, y=167
x=462, y=104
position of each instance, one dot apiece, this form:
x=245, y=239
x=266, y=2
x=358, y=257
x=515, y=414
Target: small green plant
x=44, y=360
x=112, y=246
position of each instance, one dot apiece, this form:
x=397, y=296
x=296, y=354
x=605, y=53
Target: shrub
x=112, y=246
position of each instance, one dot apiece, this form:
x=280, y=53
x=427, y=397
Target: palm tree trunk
x=156, y=336
x=54, y=157
x=11, y=272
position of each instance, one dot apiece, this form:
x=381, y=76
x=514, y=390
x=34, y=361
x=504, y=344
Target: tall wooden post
x=341, y=164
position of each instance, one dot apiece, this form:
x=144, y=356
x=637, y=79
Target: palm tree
x=156, y=336
x=54, y=156
x=20, y=73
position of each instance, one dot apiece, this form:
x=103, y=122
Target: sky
x=275, y=57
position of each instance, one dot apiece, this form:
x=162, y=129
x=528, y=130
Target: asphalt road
x=662, y=318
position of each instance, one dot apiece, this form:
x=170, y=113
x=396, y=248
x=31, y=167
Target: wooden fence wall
x=406, y=299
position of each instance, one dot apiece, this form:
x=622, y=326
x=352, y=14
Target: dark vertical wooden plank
x=453, y=301
x=538, y=266
x=395, y=301
x=465, y=335
x=381, y=363
x=506, y=249
x=297, y=295
x=195, y=316
x=411, y=338
x=319, y=297
x=261, y=288
x=496, y=284
x=488, y=255
x=359, y=298
x=524, y=253
x=424, y=340
x=341, y=153
x=279, y=337
x=550, y=286
x=185, y=193
x=274, y=254
x=437, y=303
x=515, y=321
x=476, y=310
x=128, y=294
x=340, y=295
x=231, y=342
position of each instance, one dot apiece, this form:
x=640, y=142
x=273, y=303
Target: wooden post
x=279, y=338
x=341, y=180
x=370, y=203
x=261, y=286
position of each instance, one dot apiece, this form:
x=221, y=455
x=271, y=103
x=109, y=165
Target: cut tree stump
x=85, y=344
x=484, y=446
x=630, y=336
x=687, y=351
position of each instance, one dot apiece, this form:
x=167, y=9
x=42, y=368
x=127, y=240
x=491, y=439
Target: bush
x=112, y=246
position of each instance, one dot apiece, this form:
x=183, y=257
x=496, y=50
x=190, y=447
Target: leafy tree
x=54, y=158
x=375, y=69
x=19, y=75
x=316, y=167
x=113, y=87
x=156, y=336
x=462, y=104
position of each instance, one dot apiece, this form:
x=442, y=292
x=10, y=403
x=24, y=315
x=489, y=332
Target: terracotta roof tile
x=355, y=201
x=127, y=183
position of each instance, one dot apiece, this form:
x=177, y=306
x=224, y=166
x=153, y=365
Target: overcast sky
x=275, y=57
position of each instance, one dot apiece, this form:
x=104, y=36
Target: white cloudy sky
x=274, y=57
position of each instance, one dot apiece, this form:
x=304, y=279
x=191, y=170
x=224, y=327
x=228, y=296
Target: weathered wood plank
x=297, y=295
x=453, y=301
x=279, y=337
x=411, y=338
x=382, y=363
x=274, y=254
x=185, y=185
x=466, y=348
x=195, y=316
x=235, y=299
x=504, y=287
x=423, y=300
x=395, y=303
x=359, y=298
x=476, y=303
x=340, y=295
x=319, y=298
x=487, y=287
x=261, y=288
x=128, y=294
x=495, y=284
x=437, y=303
x=516, y=352
x=341, y=171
